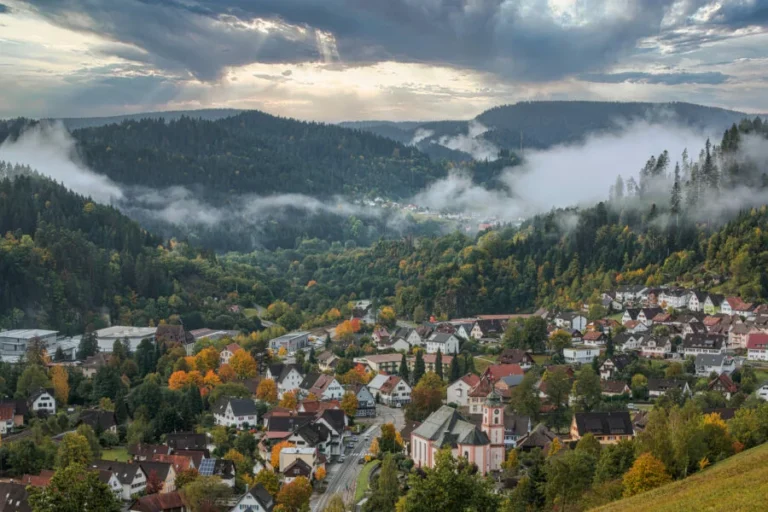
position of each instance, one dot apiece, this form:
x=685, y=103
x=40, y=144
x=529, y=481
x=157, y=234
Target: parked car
x=361, y=460
x=342, y=458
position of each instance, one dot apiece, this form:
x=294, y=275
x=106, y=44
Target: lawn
x=119, y=454
x=363, y=480
x=484, y=361
x=541, y=359
x=250, y=312
x=737, y=484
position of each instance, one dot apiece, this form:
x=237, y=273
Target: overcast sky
x=335, y=60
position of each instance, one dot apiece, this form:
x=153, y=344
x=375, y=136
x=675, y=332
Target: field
x=119, y=454
x=738, y=484
x=363, y=479
x=483, y=362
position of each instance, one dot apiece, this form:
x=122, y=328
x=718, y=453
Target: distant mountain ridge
x=208, y=114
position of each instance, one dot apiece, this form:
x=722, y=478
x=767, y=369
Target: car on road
x=341, y=458
x=361, y=460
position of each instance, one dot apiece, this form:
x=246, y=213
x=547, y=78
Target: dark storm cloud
x=519, y=39
x=710, y=78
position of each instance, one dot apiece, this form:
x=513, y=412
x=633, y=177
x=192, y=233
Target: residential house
x=516, y=356
x=226, y=354
x=496, y=372
x=580, y=354
x=706, y=364
x=515, y=427
x=697, y=300
x=612, y=366
x=93, y=363
x=366, y=402
x=540, y=437
x=713, y=303
x=324, y=387
x=380, y=336
x=290, y=455
x=99, y=421
x=335, y=420
x=179, y=462
x=458, y=391
x=723, y=384
x=187, y=441
x=630, y=293
x=164, y=472
x=762, y=392
x=42, y=401
x=327, y=361
x=628, y=341
x=286, y=376
x=14, y=497
x=594, y=339
x=445, y=343
x=429, y=363
x=390, y=390
x=464, y=330
x=614, y=388
x=296, y=469
x=694, y=328
x=757, y=346
x=737, y=335
x=240, y=413
x=364, y=311
x=571, y=320
x=378, y=363
x=132, y=478
x=736, y=306
x=291, y=342
x=170, y=502
x=6, y=418
x=607, y=427
x=676, y=298
x=487, y=329
x=636, y=326
x=257, y=499
x=222, y=468
x=195, y=456
x=400, y=345
x=658, y=387
x=141, y=451
x=483, y=446
x=695, y=344
x=656, y=347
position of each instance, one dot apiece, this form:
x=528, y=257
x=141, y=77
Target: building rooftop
x=125, y=331
x=26, y=334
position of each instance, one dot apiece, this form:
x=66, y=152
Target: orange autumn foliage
x=243, y=364
x=267, y=391
x=178, y=380
x=207, y=359
x=226, y=373
x=275, y=457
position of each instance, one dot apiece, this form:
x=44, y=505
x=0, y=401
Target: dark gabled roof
x=288, y=423
x=409, y=427
x=262, y=496
x=148, y=450
x=704, y=341
x=187, y=441
x=14, y=497
x=298, y=468
x=160, y=468
x=613, y=386
x=240, y=406
x=716, y=299
x=280, y=371
x=516, y=424
x=490, y=326
x=224, y=468
x=440, y=337
x=665, y=384
x=309, y=380
x=251, y=384
x=726, y=413
x=539, y=437
x=197, y=456
x=159, y=502
x=37, y=394
x=514, y=356
x=93, y=417
x=124, y=471
x=313, y=433
x=725, y=382
x=616, y=423
x=336, y=418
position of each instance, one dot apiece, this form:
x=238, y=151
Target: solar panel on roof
x=206, y=467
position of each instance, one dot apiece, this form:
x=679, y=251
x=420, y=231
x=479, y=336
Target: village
x=314, y=414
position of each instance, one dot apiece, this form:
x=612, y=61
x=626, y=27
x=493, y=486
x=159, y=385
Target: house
x=142, y=452
x=676, y=298
x=458, y=391
x=487, y=329
x=737, y=335
x=406, y=432
x=390, y=390
x=164, y=471
x=445, y=343
x=291, y=454
x=400, y=345
x=694, y=328
x=571, y=320
x=757, y=346
x=14, y=497
x=286, y=376
x=380, y=336
x=697, y=300
x=222, y=468
x=628, y=341
x=257, y=499
x=695, y=344
x=635, y=326
x=324, y=387
x=607, y=427
x=226, y=354
x=196, y=456
x=515, y=427
x=614, y=388
x=614, y=365
x=706, y=364
x=658, y=387
x=291, y=342
x=187, y=441
x=179, y=462
x=736, y=306
x=713, y=303
x=630, y=293
x=335, y=420
x=464, y=330
x=40, y=480
x=516, y=356
x=7, y=413
x=594, y=339
x=540, y=437
x=106, y=337
x=496, y=372
x=580, y=354
x=327, y=361
x=363, y=310
x=762, y=392
x=132, y=478
x=99, y=421
x=723, y=384
x=240, y=413
x=430, y=361
x=296, y=469
x=92, y=364
x=173, y=334
x=476, y=397
x=482, y=446
x=366, y=402
x=656, y=347
x=387, y=363
x=170, y=502
x=42, y=401
x=408, y=335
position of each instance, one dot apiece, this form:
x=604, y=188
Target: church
x=446, y=427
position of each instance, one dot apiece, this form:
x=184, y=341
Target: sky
x=334, y=60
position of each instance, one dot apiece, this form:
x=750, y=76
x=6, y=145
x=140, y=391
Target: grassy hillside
x=737, y=484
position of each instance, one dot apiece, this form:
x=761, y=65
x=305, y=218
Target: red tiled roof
x=6, y=412
x=390, y=384
x=233, y=347
x=709, y=321
x=739, y=305
x=757, y=341
x=498, y=371
x=180, y=462
x=41, y=480
x=726, y=381
x=592, y=336
x=165, y=501
x=471, y=379
x=430, y=358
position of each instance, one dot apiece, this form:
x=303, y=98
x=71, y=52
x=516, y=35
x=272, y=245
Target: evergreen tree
x=59, y=354
x=118, y=350
x=146, y=357
x=88, y=346
x=403, y=372
x=419, y=368
x=312, y=358
x=439, y=364
x=469, y=363
x=385, y=489
x=675, y=200
x=609, y=347
x=121, y=410
x=455, y=369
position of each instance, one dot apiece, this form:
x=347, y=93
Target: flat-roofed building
x=106, y=337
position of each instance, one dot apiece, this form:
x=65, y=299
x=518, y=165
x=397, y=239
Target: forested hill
x=254, y=152
x=211, y=114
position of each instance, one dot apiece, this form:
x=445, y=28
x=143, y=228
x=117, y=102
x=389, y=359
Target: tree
x=269, y=480
x=426, y=397
x=185, y=477
x=568, y=476
x=587, y=389
x=32, y=378
x=419, y=368
x=275, y=456
x=207, y=359
x=349, y=404
x=646, y=473
x=74, y=449
x=387, y=316
x=60, y=381
x=146, y=357
x=615, y=460
x=439, y=364
x=93, y=439
x=73, y=489
x=386, y=489
x=455, y=369
x=451, y=485
x=590, y=445
x=106, y=382
x=88, y=346
x=226, y=373
x=673, y=370
x=290, y=399
x=403, y=371
x=294, y=496
x=419, y=314
x=178, y=380
x=558, y=385
x=559, y=341
x=655, y=438
x=154, y=484
x=243, y=364
x=204, y=493
x=388, y=439
x=335, y=504
x=121, y=410
x=59, y=356
x=267, y=391
x=525, y=396
x=320, y=474
x=246, y=443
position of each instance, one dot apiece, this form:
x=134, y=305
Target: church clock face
x=497, y=412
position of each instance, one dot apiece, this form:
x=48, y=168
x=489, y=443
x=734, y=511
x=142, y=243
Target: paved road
x=343, y=477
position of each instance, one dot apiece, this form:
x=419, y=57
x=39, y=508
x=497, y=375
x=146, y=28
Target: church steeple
x=493, y=426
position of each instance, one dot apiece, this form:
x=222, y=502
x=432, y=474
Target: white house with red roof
x=390, y=390
x=757, y=346
x=458, y=391
x=226, y=354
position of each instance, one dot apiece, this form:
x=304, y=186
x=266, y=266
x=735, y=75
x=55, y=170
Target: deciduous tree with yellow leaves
x=646, y=473
x=275, y=455
x=243, y=364
x=60, y=381
x=290, y=399
x=267, y=391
